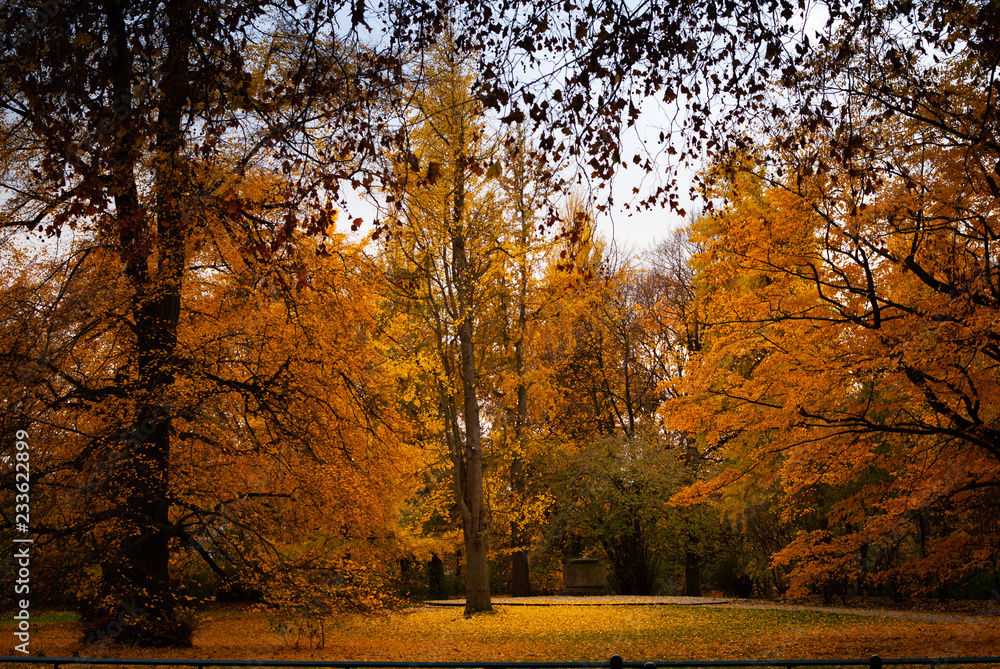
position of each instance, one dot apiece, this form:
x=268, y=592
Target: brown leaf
x=433, y=172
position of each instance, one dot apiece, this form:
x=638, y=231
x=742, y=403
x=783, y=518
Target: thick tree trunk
x=477, y=575
x=474, y=521
x=136, y=574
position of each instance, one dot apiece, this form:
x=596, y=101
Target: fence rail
x=616, y=662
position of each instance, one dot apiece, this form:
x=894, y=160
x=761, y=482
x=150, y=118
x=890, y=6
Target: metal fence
x=616, y=662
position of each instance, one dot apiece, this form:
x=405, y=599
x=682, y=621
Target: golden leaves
x=839, y=371
x=560, y=633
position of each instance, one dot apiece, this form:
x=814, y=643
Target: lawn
x=563, y=633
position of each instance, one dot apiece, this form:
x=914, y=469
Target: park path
x=590, y=600
x=989, y=613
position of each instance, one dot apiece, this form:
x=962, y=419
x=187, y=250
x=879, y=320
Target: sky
x=629, y=231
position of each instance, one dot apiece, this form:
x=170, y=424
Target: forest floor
x=668, y=629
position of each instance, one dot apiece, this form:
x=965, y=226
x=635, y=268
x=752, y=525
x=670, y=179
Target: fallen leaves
x=585, y=633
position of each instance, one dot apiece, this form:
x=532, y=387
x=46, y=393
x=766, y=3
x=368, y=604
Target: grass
x=563, y=633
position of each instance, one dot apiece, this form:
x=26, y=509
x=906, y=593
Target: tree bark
x=474, y=518
x=520, y=583
x=137, y=573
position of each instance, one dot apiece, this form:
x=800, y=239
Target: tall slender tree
x=439, y=261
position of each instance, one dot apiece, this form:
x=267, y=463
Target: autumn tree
x=442, y=257
x=525, y=193
x=609, y=466
x=837, y=373
x=290, y=464
x=112, y=114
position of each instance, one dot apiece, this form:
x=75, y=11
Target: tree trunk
x=136, y=574
x=692, y=574
x=471, y=501
x=520, y=582
x=474, y=521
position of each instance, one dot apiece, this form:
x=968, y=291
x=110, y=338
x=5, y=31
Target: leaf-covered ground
x=515, y=633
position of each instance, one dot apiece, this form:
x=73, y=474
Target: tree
x=524, y=193
x=858, y=274
x=289, y=460
x=113, y=113
x=440, y=258
x=819, y=378
x=610, y=467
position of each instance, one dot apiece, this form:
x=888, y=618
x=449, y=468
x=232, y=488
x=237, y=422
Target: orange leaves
x=842, y=378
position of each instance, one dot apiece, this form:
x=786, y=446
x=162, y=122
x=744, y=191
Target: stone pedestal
x=585, y=576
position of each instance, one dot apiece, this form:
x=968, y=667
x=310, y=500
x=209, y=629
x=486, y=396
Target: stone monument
x=585, y=576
